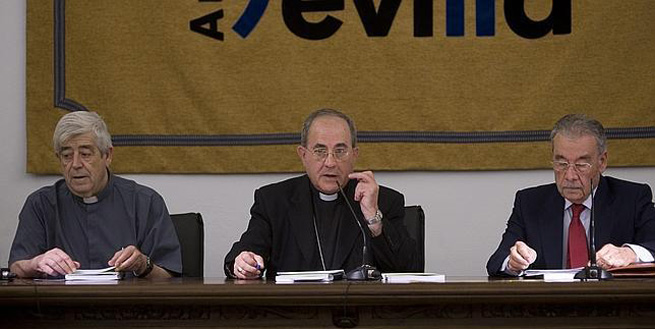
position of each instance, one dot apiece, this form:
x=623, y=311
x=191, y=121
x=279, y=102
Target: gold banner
x=223, y=86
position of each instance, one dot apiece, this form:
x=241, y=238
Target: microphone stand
x=365, y=272
x=592, y=272
x=6, y=274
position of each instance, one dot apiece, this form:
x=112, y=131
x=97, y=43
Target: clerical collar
x=101, y=195
x=328, y=197
x=91, y=199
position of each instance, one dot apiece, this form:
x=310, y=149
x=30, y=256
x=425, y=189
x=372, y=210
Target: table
x=208, y=303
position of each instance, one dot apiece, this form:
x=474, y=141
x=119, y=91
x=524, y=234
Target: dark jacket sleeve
x=394, y=250
x=515, y=231
x=257, y=237
x=645, y=219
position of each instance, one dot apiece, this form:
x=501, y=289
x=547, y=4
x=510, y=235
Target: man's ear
x=301, y=152
x=110, y=155
x=602, y=162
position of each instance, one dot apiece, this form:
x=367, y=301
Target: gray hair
x=576, y=125
x=327, y=112
x=78, y=123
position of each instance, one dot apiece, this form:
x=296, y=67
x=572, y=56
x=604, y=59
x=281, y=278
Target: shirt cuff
x=643, y=255
x=507, y=271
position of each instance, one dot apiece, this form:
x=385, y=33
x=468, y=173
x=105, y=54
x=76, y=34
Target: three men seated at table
x=92, y=218
x=549, y=224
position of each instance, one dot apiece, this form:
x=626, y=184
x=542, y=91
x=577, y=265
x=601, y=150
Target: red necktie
x=578, y=254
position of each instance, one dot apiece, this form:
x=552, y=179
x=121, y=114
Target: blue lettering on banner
x=377, y=22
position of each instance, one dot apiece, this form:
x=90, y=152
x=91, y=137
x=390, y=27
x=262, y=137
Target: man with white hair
x=549, y=225
x=92, y=218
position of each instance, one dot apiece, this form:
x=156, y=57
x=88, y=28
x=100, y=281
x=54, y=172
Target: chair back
x=191, y=233
x=415, y=223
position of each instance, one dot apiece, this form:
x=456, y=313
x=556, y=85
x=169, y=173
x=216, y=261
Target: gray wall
x=466, y=211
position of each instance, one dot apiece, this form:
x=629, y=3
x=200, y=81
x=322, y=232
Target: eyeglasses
x=321, y=154
x=581, y=167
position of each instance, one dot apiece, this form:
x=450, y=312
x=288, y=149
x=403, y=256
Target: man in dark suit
x=549, y=223
x=305, y=223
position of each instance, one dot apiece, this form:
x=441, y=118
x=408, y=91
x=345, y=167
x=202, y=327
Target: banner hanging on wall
x=210, y=86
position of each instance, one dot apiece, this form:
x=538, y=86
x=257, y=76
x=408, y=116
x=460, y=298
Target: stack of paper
x=103, y=274
x=309, y=276
x=564, y=275
x=412, y=277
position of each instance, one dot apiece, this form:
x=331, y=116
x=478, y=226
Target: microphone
x=592, y=272
x=365, y=272
x=6, y=274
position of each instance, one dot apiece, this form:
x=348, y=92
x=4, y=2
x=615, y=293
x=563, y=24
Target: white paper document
x=564, y=275
x=103, y=274
x=309, y=276
x=412, y=277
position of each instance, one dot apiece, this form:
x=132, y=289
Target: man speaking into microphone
x=306, y=224
x=549, y=225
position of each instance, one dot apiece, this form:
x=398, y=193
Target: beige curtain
x=445, y=91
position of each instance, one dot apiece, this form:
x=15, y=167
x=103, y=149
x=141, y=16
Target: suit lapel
x=551, y=225
x=603, y=213
x=301, y=215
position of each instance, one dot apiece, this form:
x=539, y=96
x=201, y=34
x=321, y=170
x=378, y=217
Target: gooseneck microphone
x=592, y=228
x=592, y=272
x=6, y=274
x=365, y=272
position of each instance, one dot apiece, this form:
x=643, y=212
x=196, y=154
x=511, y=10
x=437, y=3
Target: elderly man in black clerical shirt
x=304, y=223
x=92, y=218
